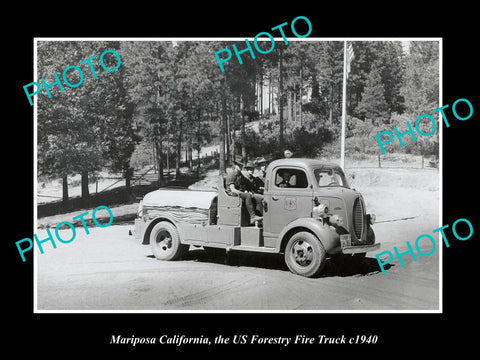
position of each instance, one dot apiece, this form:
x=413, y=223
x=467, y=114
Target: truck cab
x=309, y=214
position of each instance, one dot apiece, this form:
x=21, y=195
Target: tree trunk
x=198, y=162
x=228, y=139
x=301, y=95
x=242, y=114
x=128, y=174
x=331, y=106
x=65, y=189
x=84, y=181
x=159, y=160
x=154, y=157
x=179, y=150
x=225, y=134
x=289, y=105
x=261, y=96
x=295, y=103
x=189, y=152
x=233, y=127
x=190, y=155
x=270, y=95
x=199, y=140
x=222, y=142
x=168, y=156
x=280, y=97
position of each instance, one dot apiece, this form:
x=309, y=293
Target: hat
x=260, y=160
x=249, y=164
x=238, y=160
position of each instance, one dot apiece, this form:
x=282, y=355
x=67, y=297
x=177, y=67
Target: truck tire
x=305, y=255
x=165, y=242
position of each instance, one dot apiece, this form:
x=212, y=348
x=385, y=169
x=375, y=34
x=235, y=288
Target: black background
x=406, y=334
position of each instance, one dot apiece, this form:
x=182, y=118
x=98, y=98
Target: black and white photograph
x=213, y=179
x=257, y=185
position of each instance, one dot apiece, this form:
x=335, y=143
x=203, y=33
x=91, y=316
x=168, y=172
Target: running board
x=253, y=248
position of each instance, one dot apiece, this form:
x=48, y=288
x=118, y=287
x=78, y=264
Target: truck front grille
x=358, y=218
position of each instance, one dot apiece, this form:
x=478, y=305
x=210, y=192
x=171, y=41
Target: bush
x=142, y=156
x=304, y=141
x=361, y=137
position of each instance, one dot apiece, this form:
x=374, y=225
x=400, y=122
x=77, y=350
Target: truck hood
x=337, y=192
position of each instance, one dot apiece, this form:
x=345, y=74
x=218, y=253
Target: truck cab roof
x=304, y=163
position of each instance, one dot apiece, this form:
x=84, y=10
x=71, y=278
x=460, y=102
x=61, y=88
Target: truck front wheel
x=304, y=254
x=165, y=242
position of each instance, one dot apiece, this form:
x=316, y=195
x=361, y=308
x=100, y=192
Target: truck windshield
x=330, y=177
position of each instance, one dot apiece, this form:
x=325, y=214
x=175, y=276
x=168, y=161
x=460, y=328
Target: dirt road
x=110, y=270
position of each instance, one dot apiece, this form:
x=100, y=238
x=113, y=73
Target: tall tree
x=73, y=125
x=373, y=104
x=387, y=57
x=330, y=69
x=421, y=85
x=148, y=80
x=281, y=99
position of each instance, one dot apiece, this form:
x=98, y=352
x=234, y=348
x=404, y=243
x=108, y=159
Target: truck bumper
x=360, y=248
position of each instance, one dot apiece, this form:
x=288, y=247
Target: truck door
x=289, y=196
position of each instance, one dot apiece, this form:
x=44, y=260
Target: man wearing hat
x=257, y=176
x=254, y=186
x=261, y=165
x=240, y=185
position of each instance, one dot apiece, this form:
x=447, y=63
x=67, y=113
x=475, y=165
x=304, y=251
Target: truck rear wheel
x=304, y=254
x=165, y=242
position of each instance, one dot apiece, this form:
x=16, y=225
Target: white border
x=178, y=39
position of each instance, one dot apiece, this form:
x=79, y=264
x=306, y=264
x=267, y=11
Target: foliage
x=172, y=96
x=86, y=128
x=373, y=104
x=421, y=86
x=306, y=140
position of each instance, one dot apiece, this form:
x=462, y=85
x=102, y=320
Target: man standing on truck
x=237, y=185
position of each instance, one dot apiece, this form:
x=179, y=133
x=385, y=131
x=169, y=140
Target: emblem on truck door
x=290, y=203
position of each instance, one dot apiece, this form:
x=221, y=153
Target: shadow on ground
x=333, y=267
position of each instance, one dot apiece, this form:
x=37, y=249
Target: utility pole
x=344, y=105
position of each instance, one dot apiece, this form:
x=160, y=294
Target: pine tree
x=330, y=69
x=387, y=57
x=148, y=81
x=421, y=84
x=373, y=104
x=74, y=126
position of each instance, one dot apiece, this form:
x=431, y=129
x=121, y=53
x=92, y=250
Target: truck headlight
x=336, y=220
x=320, y=211
x=140, y=209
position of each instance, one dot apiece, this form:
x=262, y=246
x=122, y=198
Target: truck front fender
x=327, y=235
x=150, y=222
